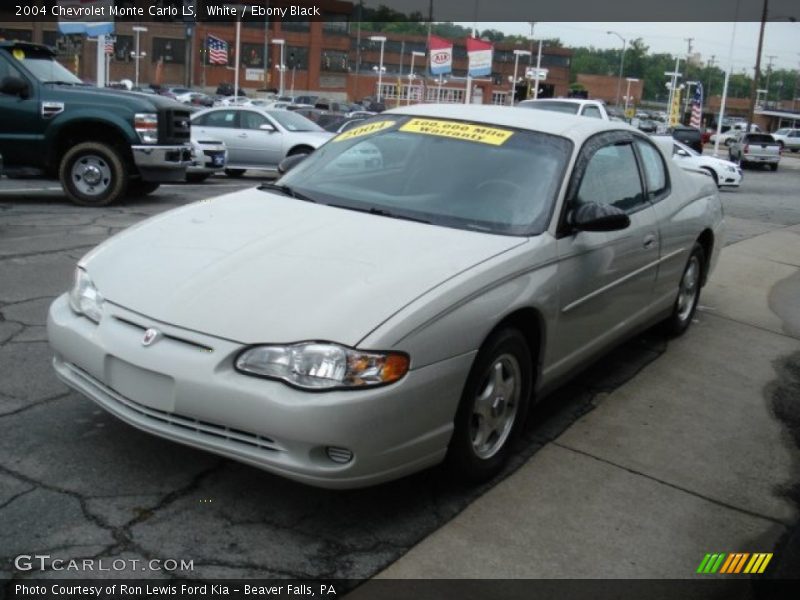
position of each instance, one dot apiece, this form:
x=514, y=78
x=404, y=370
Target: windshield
x=43, y=67
x=562, y=107
x=782, y=132
x=291, y=121
x=450, y=173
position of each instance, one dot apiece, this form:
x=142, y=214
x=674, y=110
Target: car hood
x=257, y=267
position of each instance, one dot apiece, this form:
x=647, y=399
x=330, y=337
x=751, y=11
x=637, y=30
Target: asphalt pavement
x=663, y=451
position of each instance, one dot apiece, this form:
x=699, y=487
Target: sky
x=781, y=39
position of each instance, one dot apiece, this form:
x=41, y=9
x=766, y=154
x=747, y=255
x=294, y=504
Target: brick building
x=604, y=87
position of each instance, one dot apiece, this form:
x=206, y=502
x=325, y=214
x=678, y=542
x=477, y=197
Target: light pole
x=621, y=63
x=517, y=54
x=281, y=66
x=630, y=80
x=138, y=54
x=382, y=40
x=411, y=73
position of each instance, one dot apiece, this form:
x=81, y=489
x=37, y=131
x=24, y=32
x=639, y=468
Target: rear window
x=759, y=138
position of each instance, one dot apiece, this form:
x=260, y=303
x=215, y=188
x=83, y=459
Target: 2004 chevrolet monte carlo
x=396, y=299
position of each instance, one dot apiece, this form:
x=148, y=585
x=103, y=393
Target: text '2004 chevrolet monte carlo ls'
x=396, y=299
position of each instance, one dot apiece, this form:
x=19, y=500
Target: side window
x=612, y=177
x=655, y=172
x=220, y=118
x=252, y=120
x=592, y=111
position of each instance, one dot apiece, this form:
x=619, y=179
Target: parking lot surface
x=661, y=452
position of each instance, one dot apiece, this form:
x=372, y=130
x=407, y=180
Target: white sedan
x=724, y=172
x=397, y=299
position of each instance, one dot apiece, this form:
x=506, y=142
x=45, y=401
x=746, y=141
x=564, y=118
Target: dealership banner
x=441, y=55
x=480, y=57
x=89, y=17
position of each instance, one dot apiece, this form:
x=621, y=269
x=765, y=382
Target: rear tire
x=493, y=407
x=197, y=177
x=235, y=173
x=774, y=166
x=93, y=174
x=300, y=150
x=688, y=293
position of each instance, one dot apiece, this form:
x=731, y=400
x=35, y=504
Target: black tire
x=197, y=177
x=466, y=456
x=713, y=175
x=774, y=166
x=137, y=189
x=235, y=173
x=103, y=163
x=300, y=150
x=688, y=293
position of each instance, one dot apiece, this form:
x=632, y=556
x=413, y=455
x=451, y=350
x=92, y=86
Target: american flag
x=697, y=106
x=110, y=41
x=217, y=51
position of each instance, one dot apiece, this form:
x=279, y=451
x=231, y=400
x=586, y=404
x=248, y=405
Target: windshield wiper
x=381, y=212
x=65, y=83
x=285, y=190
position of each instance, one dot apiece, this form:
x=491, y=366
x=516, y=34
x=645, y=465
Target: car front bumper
x=184, y=387
x=162, y=164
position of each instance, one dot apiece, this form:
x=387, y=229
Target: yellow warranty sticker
x=364, y=130
x=18, y=53
x=459, y=131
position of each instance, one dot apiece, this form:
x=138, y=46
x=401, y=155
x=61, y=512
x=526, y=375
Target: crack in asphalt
x=33, y=404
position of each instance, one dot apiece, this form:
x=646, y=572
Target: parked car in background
x=724, y=172
x=788, y=138
x=226, y=89
x=234, y=101
x=571, y=106
x=200, y=99
x=341, y=124
x=730, y=131
x=755, y=149
x=208, y=157
x=258, y=138
x=691, y=136
x=647, y=126
x=357, y=321
x=310, y=100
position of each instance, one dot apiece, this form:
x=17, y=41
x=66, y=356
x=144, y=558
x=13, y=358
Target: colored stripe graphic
x=734, y=563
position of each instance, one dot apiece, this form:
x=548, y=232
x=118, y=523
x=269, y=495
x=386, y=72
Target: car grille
x=176, y=127
x=175, y=420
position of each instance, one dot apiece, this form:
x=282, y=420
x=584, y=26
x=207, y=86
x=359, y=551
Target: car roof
x=23, y=45
x=571, y=126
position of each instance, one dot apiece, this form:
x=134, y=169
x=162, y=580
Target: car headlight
x=146, y=125
x=84, y=297
x=323, y=366
x=731, y=168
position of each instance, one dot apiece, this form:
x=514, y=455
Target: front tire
x=141, y=188
x=774, y=166
x=197, y=177
x=235, y=173
x=493, y=407
x=93, y=174
x=688, y=293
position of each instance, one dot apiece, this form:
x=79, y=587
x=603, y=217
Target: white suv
x=572, y=106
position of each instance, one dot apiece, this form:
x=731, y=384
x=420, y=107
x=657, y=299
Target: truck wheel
x=774, y=166
x=93, y=174
x=236, y=173
x=197, y=177
x=141, y=188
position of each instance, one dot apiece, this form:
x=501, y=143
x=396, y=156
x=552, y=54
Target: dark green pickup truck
x=101, y=144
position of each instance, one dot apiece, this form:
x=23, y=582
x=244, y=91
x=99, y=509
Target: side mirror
x=290, y=162
x=15, y=86
x=681, y=152
x=266, y=127
x=599, y=217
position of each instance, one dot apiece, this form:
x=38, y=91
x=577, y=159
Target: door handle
x=649, y=241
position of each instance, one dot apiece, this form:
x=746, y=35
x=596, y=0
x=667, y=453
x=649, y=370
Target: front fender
x=82, y=117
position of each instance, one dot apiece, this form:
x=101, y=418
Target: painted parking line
x=18, y=190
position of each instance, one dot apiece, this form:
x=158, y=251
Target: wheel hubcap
x=495, y=407
x=687, y=294
x=91, y=175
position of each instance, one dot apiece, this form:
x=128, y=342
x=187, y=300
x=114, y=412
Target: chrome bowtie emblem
x=150, y=336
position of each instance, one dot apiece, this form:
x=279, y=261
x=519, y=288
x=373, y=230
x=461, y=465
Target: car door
x=21, y=124
x=606, y=279
x=261, y=147
x=221, y=125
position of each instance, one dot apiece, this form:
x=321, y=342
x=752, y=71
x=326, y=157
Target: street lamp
x=621, y=63
x=411, y=73
x=628, y=92
x=382, y=40
x=517, y=54
x=281, y=66
x=138, y=54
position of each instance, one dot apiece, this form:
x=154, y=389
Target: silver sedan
x=258, y=138
x=397, y=299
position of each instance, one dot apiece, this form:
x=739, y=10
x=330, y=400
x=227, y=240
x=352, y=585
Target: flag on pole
x=217, y=51
x=480, y=57
x=441, y=55
x=697, y=106
x=110, y=41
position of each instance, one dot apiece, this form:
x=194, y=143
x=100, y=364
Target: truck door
x=21, y=128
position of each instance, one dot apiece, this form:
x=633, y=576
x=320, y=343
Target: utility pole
x=688, y=60
x=771, y=58
x=757, y=75
x=709, y=66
